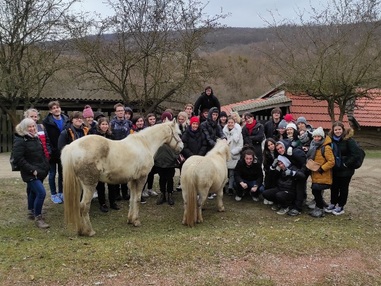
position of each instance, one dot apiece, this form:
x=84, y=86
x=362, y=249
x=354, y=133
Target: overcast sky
x=244, y=13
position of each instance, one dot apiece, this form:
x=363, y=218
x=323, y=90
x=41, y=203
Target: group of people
x=268, y=161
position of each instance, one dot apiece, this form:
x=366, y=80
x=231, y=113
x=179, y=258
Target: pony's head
x=175, y=140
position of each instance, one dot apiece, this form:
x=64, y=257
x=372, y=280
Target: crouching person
x=248, y=176
x=284, y=194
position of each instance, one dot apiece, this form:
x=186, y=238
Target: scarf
x=313, y=147
x=251, y=126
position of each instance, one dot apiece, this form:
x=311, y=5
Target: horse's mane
x=221, y=147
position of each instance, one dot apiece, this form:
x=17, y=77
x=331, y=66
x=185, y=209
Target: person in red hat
x=194, y=139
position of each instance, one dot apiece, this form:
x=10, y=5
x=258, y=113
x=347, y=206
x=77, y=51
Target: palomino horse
x=201, y=175
x=94, y=158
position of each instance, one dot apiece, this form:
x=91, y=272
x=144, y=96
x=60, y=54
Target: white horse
x=201, y=175
x=94, y=158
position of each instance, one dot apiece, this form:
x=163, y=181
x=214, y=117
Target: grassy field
x=248, y=244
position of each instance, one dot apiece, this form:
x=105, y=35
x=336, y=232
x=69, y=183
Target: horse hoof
x=137, y=223
x=221, y=209
x=92, y=233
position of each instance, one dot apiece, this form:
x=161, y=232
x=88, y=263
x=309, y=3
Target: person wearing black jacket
x=194, y=139
x=297, y=158
x=284, y=194
x=29, y=155
x=54, y=123
x=248, y=176
x=206, y=100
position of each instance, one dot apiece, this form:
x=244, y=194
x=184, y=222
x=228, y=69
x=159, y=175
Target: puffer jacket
x=212, y=129
x=194, y=143
x=28, y=153
x=235, y=141
x=326, y=162
x=349, y=154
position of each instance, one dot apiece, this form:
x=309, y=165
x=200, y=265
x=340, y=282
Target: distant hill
x=225, y=37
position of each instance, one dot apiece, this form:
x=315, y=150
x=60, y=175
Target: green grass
x=229, y=248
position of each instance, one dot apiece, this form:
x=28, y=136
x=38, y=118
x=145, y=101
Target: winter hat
x=301, y=119
x=318, y=132
x=223, y=114
x=280, y=143
x=282, y=124
x=167, y=115
x=88, y=112
x=194, y=119
x=291, y=125
x=97, y=115
x=288, y=117
x=284, y=160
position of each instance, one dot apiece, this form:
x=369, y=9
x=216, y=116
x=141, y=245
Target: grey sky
x=244, y=13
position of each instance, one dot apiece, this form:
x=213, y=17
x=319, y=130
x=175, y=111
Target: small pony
x=201, y=175
x=94, y=158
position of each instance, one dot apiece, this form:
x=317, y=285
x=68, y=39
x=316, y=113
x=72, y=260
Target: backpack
x=358, y=163
x=12, y=162
x=336, y=154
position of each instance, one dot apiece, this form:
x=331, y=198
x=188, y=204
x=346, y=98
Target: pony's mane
x=219, y=148
x=147, y=132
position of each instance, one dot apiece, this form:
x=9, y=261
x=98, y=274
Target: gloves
x=289, y=172
x=289, y=151
x=321, y=171
x=275, y=163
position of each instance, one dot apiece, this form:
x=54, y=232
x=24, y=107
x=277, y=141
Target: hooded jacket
x=206, y=102
x=28, y=153
x=349, y=154
x=212, y=129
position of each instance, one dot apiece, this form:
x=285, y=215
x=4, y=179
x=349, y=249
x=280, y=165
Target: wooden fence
x=6, y=133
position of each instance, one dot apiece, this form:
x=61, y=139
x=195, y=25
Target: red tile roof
x=315, y=111
x=367, y=110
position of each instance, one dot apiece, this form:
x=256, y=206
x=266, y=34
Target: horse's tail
x=71, y=190
x=191, y=197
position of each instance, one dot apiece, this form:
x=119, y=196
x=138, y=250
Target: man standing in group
x=206, y=101
x=120, y=128
x=271, y=126
x=54, y=123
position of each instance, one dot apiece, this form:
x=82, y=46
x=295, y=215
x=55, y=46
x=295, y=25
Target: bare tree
x=147, y=51
x=30, y=31
x=335, y=56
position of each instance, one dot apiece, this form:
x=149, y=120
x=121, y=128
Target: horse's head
x=175, y=141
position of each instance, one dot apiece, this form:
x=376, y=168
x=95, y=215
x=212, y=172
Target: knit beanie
x=167, y=115
x=284, y=160
x=282, y=124
x=223, y=114
x=318, y=132
x=88, y=112
x=291, y=125
x=301, y=119
x=194, y=119
x=288, y=117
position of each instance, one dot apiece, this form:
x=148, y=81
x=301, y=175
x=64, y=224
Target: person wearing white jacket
x=233, y=133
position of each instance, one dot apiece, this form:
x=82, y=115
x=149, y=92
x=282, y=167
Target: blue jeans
x=250, y=184
x=52, y=177
x=36, y=196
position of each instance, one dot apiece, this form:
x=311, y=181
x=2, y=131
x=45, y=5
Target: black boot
x=171, y=202
x=162, y=199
